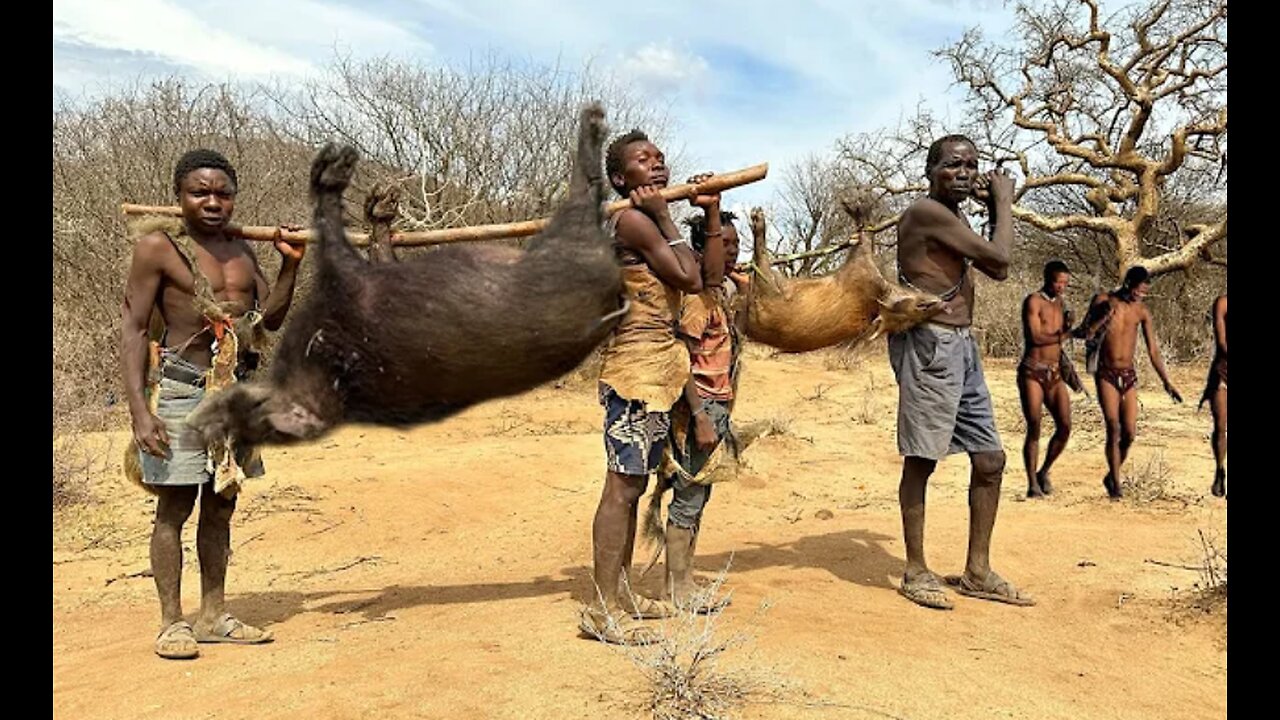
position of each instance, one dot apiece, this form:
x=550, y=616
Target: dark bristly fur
x=418, y=340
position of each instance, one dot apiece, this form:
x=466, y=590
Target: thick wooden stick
x=524, y=228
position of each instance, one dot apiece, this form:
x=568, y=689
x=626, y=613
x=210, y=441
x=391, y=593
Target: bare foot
x=1046, y=486
x=1220, y=483
x=1113, y=489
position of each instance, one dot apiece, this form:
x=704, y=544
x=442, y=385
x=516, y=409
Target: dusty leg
x=1109, y=402
x=1058, y=401
x=1218, y=406
x=1032, y=396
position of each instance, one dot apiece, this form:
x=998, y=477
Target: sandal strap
x=176, y=626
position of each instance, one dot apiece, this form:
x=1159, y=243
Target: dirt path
x=437, y=572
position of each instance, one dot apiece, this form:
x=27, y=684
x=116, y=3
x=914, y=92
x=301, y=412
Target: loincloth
x=1047, y=374
x=1123, y=379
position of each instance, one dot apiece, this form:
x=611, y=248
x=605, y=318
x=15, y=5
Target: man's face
x=730, y=247
x=953, y=176
x=643, y=164
x=207, y=196
x=1140, y=292
x=1059, y=284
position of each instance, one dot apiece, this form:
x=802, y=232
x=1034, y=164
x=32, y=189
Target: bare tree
x=488, y=142
x=1102, y=115
x=1118, y=126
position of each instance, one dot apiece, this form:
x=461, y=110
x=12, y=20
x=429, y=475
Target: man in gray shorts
x=174, y=272
x=943, y=403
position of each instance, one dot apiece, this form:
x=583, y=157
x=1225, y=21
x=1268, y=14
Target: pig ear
x=297, y=422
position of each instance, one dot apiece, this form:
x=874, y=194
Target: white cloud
x=238, y=39
x=662, y=67
x=175, y=34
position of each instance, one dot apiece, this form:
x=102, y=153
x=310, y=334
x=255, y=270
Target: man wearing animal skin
x=643, y=372
x=1046, y=322
x=944, y=406
x=1112, y=325
x=207, y=287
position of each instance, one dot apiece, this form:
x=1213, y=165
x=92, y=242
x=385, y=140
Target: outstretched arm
x=1153, y=350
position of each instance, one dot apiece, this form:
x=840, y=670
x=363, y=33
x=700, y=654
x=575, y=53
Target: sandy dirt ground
x=437, y=572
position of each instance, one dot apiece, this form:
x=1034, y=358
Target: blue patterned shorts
x=633, y=437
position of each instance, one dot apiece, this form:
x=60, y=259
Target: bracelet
x=713, y=234
x=678, y=241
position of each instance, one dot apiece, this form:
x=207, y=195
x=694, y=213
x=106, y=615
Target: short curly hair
x=201, y=158
x=935, y=150
x=614, y=162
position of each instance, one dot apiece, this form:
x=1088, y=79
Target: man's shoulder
x=924, y=207
x=154, y=245
x=629, y=218
x=1133, y=310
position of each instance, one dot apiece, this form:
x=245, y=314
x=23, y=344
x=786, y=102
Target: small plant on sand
x=1151, y=482
x=689, y=673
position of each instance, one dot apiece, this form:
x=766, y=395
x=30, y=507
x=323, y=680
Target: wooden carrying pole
x=524, y=228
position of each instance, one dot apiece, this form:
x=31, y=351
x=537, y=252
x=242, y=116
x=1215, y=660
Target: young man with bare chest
x=1046, y=322
x=209, y=290
x=1113, y=323
x=1215, y=393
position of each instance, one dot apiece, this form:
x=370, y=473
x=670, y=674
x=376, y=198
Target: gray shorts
x=944, y=406
x=689, y=499
x=188, y=460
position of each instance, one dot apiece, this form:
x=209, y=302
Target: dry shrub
x=691, y=672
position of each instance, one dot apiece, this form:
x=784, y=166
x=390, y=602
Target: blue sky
x=748, y=82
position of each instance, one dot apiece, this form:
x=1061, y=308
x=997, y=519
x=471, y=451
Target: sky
x=748, y=81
